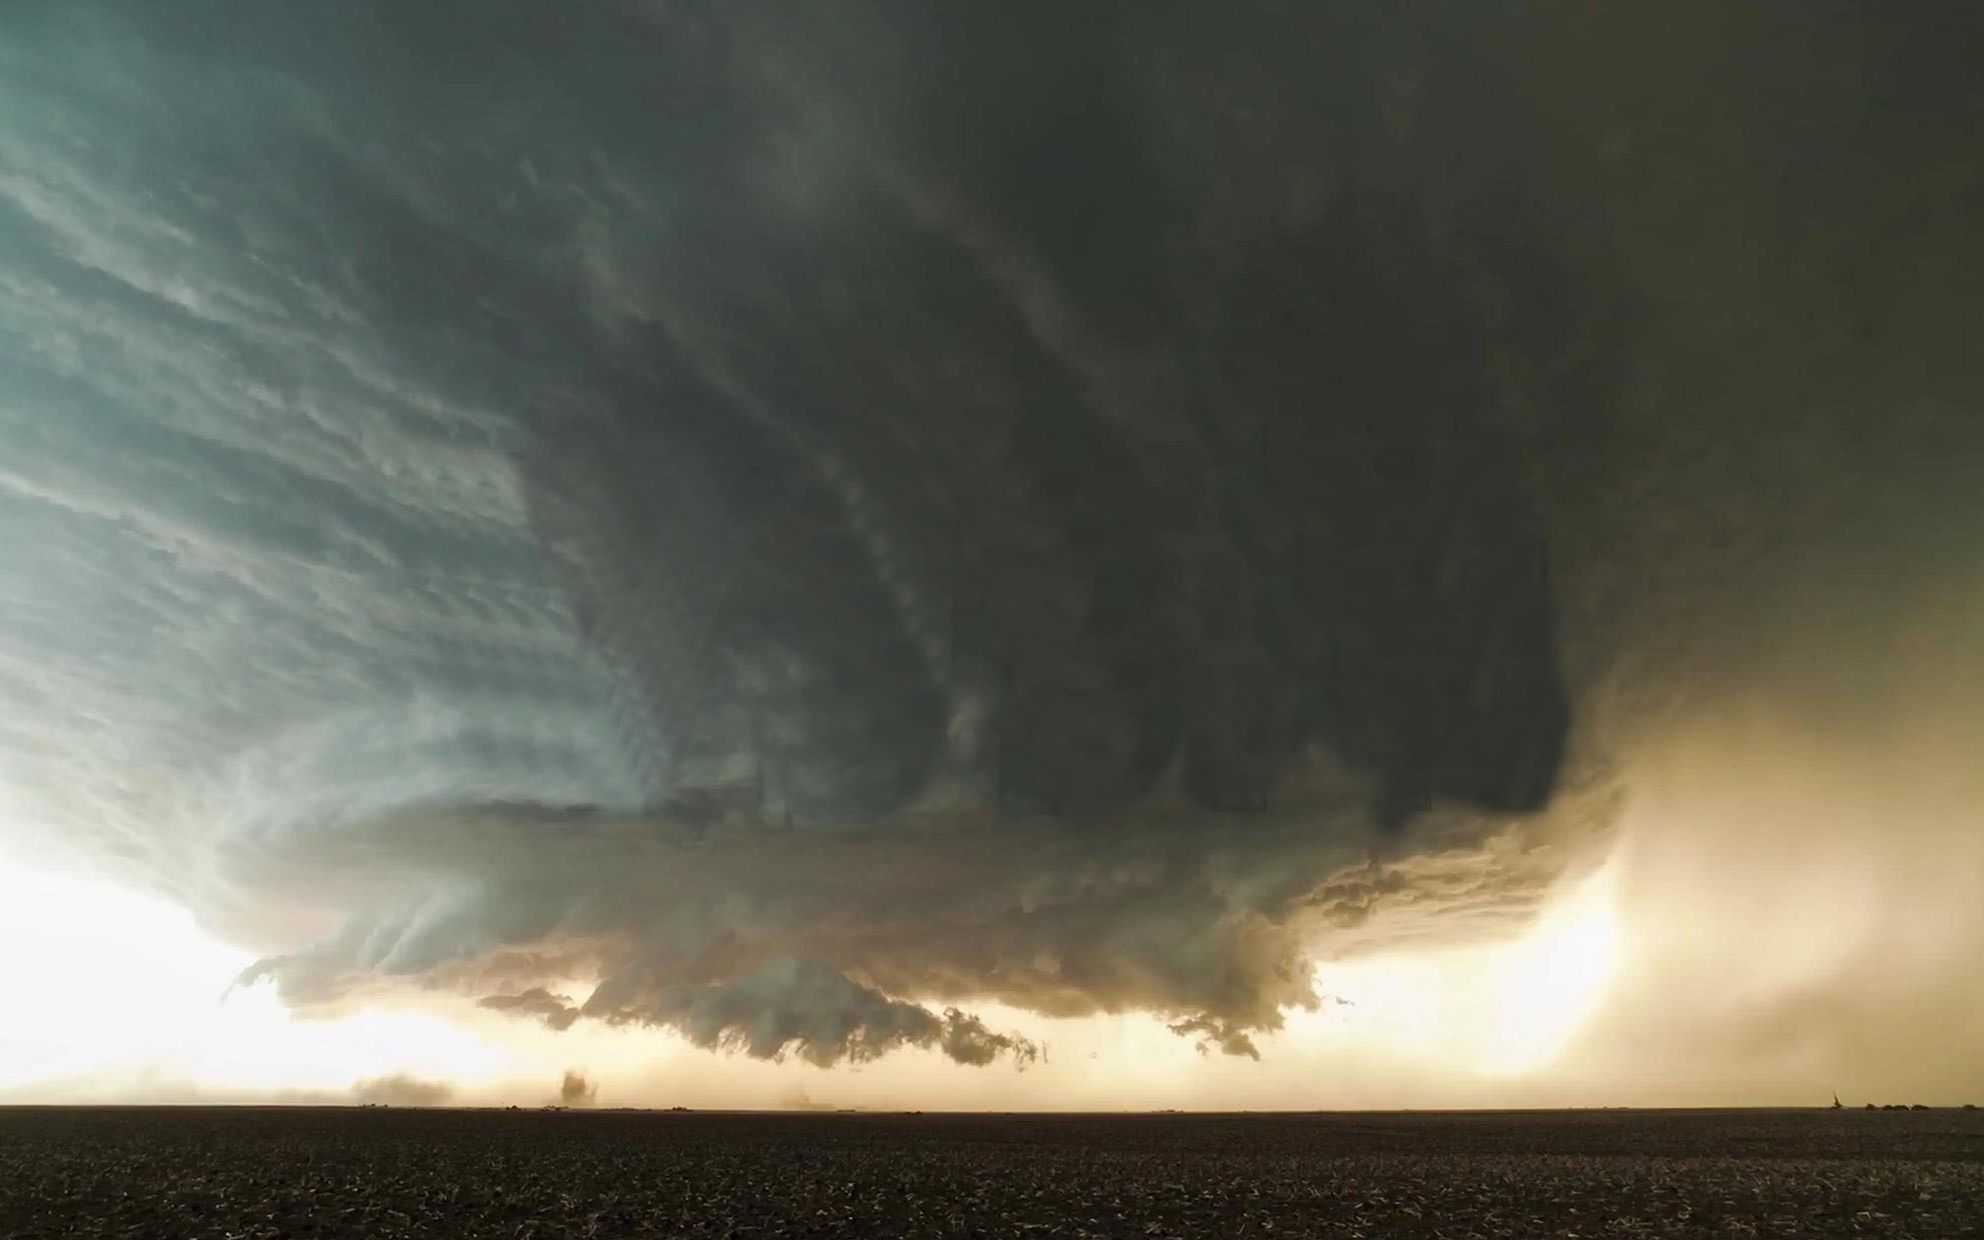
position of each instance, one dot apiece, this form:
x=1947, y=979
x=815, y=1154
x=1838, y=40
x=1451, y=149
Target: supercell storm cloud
x=781, y=527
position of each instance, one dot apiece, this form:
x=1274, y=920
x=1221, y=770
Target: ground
x=377, y=1172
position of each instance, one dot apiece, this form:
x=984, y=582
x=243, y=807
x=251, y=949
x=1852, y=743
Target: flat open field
x=266, y=1172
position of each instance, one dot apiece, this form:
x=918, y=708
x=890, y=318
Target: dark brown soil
x=273, y=1172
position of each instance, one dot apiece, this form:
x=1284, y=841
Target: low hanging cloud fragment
x=787, y=1005
x=556, y=1011
x=791, y=1004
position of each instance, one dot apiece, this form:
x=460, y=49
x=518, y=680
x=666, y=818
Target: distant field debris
x=400, y=1090
x=576, y=1090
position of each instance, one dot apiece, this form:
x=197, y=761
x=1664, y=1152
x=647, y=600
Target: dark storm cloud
x=796, y=518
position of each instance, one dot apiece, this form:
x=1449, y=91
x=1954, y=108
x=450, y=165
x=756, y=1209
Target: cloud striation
x=776, y=529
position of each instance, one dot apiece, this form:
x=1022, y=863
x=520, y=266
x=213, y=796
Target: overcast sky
x=1011, y=555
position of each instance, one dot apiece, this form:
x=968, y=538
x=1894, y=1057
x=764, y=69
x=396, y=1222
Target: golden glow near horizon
x=128, y=987
x=101, y=978
x=1499, y=1009
x=130, y=1006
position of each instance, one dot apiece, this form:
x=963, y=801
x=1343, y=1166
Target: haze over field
x=1312, y=557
